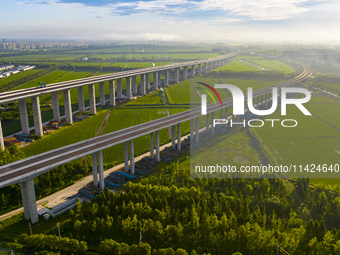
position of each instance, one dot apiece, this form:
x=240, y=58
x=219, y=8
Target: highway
x=34, y=166
x=10, y=96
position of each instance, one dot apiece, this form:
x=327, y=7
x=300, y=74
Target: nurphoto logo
x=239, y=100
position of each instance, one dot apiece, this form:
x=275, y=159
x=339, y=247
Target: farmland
x=274, y=65
x=310, y=142
x=238, y=66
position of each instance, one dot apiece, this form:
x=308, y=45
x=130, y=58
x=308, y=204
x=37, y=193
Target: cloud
x=160, y=37
x=253, y=9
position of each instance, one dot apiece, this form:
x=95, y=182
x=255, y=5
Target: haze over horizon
x=309, y=21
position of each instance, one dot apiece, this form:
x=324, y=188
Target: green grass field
x=67, y=135
x=311, y=141
x=18, y=76
x=273, y=65
x=238, y=66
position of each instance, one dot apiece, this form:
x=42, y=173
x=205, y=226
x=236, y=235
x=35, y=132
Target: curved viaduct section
x=179, y=71
x=25, y=170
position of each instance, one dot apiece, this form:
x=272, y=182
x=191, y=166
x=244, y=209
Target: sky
x=307, y=21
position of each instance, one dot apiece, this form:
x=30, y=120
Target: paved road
x=36, y=165
x=10, y=96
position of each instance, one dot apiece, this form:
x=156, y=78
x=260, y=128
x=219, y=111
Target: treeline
x=217, y=216
x=16, y=83
x=11, y=111
x=41, y=242
x=45, y=184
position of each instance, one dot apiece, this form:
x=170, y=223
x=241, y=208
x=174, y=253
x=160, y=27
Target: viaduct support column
x=179, y=135
x=68, y=107
x=92, y=99
x=176, y=75
x=101, y=170
x=24, y=117
x=158, y=156
x=134, y=85
x=94, y=169
x=192, y=129
x=192, y=71
x=55, y=106
x=166, y=78
x=81, y=101
x=152, y=146
x=102, y=94
x=173, y=136
x=207, y=123
x=197, y=129
x=159, y=79
x=142, y=84
x=221, y=114
x=205, y=69
x=212, y=131
x=29, y=201
x=112, y=93
x=128, y=88
x=147, y=81
x=126, y=157
x=199, y=70
x=185, y=73
x=132, y=157
x=2, y=144
x=155, y=81
x=258, y=103
x=37, y=116
x=119, y=88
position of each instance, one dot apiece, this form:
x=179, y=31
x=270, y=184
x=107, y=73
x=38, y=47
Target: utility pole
x=30, y=226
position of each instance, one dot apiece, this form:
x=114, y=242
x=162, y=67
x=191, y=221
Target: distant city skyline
x=305, y=21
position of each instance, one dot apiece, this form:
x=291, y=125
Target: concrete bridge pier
x=94, y=169
x=179, y=135
x=126, y=157
x=221, y=114
x=101, y=170
x=258, y=103
x=226, y=116
x=176, y=75
x=197, y=129
x=192, y=71
x=207, y=123
x=212, y=130
x=205, y=69
x=152, y=146
x=155, y=81
x=112, y=93
x=92, y=99
x=134, y=85
x=159, y=79
x=132, y=157
x=37, y=116
x=173, y=136
x=142, y=84
x=55, y=106
x=29, y=200
x=68, y=107
x=24, y=117
x=166, y=78
x=158, y=156
x=119, y=88
x=128, y=88
x=192, y=129
x=199, y=70
x=81, y=101
x=147, y=81
x=101, y=94
x=185, y=73
x=2, y=144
